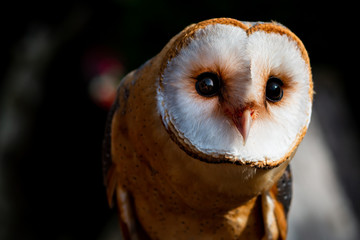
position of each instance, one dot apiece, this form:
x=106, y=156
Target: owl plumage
x=199, y=138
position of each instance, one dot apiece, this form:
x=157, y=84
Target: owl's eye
x=207, y=84
x=274, y=91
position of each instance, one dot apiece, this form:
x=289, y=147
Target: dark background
x=50, y=150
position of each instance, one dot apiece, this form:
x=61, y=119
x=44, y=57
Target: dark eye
x=207, y=84
x=274, y=91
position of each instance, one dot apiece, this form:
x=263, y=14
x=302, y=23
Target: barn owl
x=199, y=139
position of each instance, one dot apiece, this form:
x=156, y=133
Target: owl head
x=236, y=92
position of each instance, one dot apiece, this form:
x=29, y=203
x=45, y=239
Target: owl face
x=235, y=92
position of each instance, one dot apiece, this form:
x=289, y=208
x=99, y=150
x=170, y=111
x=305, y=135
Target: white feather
x=247, y=59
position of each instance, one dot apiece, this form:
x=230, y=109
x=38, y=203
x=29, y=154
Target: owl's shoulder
x=118, y=110
x=118, y=105
x=281, y=194
x=284, y=190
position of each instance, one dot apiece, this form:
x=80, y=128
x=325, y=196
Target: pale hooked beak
x=243, y=122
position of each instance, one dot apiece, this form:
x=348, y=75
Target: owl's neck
x=171, y=218
x=165, y=213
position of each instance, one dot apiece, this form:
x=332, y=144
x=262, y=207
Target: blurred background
x=60, y=62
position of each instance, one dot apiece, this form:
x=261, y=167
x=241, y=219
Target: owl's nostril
x=240, y=112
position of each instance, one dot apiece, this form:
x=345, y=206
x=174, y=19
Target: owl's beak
x=243, y=122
